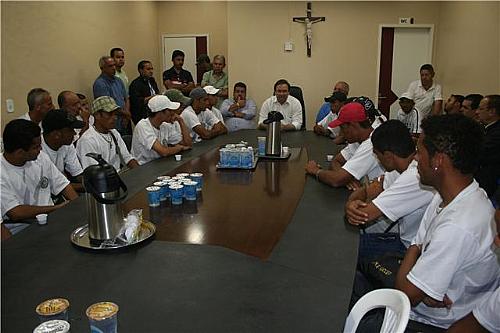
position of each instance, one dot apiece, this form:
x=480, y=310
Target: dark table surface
x=303, y=286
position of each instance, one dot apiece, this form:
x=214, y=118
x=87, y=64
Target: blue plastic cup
x=53, y=309
x=176, y=194
x=261, y=145
x=163, y=194
x=190, y=190
x=198, y=178
x=103, y=317
x=154, y=193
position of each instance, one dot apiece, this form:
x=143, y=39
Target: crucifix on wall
x=309, y=20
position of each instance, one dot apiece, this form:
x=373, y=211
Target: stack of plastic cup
x=103, y=317
x=154, y=194
x=198, y=178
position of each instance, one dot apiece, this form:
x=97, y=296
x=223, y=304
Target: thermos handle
x=92, y=191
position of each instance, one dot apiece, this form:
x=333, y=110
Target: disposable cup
x=154, y=194
x=51, y=309
x=103, y=317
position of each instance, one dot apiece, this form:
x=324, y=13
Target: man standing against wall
x=177, y=77
x=119, y=56
x=426, y=93
x=141, y=90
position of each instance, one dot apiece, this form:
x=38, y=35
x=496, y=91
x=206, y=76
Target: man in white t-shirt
x=336, y=101
x=71, y=103
x=28, y=177
x=409, y=115
x=58, y=133
x=426, y=93
x=147, y=142
x=39, y=103
x=398, y=195
x=450, y=264
x=202, y=123
x=102, y=138
x=285, y=104
x=213, y=99
x=349, y=170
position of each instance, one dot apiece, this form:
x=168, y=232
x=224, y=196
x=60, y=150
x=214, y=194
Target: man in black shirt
x=177, y=77
x=141, y=90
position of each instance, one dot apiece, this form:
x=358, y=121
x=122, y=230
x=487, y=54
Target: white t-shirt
x=424, y=98
x=94, y=142
x=205, y=118
x=170, y=133
x=291, y=111
x=218, y=114
x=31, y=184
x=457, y=258
x=145, y=135
x=405, y=199
x=334, y=132
x=363, y=161
x=65, y=158
x=487, y=312
x=411, y=120
x=78, y=130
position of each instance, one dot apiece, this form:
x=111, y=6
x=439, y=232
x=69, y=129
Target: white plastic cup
x=42, y=219
x=329, y=158
x=285, y=150
x=178, y=157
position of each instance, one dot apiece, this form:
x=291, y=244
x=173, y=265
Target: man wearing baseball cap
x=341, y=86
x=348, y=170
x=102, y=138
x=213, y=99
x=58, y=133
x=148, y=141
x=202, y=123
x=336, y=100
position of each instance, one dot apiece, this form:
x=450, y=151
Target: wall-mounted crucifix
x=309, y=20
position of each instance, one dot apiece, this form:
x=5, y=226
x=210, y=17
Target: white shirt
x=424, y=98
x=170, y=133
x=78, y=130
x=411, y=120
x=487, y=312
x=457, y=258
x=291, y=111
x=65, y=158
x=26, y=116
x=205, y=118
x=218, y=114
x=94, y=142
x=334, y=132
x=145, y=135
x=30, y=184
x=404, y=199
x=363, y=162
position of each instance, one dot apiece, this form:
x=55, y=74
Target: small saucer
x=80, y=237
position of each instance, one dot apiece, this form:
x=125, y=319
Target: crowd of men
x=424, y=186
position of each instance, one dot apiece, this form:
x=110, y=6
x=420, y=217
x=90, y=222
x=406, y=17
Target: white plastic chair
x=397, y=310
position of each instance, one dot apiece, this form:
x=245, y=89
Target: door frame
x=165, y=61
x=379, y=46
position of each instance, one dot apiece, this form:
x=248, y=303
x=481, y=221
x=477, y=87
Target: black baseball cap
x=336, y=96
x=58, y=119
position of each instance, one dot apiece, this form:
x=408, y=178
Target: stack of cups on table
x=236, y=156
x=181, y=186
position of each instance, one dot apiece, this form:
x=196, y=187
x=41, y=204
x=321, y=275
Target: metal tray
x=281, y=157
x=80, y=237
x=256, y=158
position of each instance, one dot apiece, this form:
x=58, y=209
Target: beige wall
x=468, y=56
x=56, y=45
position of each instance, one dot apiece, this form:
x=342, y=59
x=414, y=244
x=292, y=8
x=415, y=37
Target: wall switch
x=288, y=46
x=10, y=105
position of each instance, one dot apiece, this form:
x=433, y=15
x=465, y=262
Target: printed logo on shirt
x=44, y=182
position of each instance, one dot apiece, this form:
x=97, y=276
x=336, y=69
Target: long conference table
x=262, y=250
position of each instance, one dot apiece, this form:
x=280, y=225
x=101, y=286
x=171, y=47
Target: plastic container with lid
x=53, y=326
x=56, y=308
x=103, y=317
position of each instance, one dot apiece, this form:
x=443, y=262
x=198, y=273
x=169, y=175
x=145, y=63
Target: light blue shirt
x=235, y=123
x=323, y=112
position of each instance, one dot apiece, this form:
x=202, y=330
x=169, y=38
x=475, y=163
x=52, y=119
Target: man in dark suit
x=141, y=90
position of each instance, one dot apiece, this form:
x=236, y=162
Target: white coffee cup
x=42, y=219
x=178, y=157
x=285, y=150
x=329, y=158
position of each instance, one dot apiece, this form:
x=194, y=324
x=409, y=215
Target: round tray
x=80, y=237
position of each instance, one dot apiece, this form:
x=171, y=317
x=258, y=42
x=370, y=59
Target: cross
x=309, y=20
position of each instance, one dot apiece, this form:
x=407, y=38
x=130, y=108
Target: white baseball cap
x=161, y=102
x=211, y=90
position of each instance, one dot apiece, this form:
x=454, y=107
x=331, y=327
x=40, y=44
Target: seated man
x=103, y=138
x=450, y=263
x=340, y=86
x=399, y=194
x=202, y=123
x=354, y=162
x=58, y=133
x=488, y=175
x=39, y=103
x=212, y=101
x=409, y=115
x=147, y=141
x=177, y=77
x=28, y=177
x=176, y=95
x=239, y=112
x=70, y=102
x=335, y=101
x=470, y=105
x=287, y=105
x=453, y=104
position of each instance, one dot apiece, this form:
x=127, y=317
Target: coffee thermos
x=273, y=141
x=105, y=191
